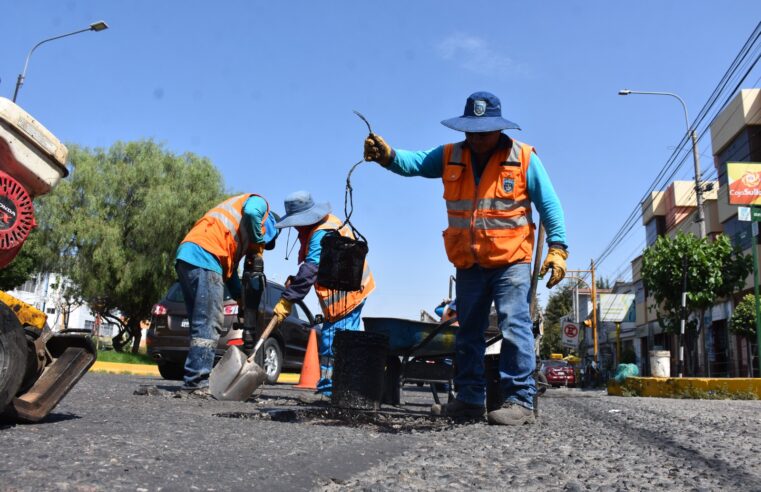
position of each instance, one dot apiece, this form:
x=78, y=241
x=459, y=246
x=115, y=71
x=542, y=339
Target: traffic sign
x=570, y=334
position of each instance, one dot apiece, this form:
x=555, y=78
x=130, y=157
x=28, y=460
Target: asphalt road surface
x=103, y=436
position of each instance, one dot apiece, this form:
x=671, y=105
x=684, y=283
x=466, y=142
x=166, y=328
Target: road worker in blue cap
x=206, y=260
x=341, y=309
x=490, y=181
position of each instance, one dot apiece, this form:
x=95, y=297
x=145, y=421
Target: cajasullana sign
x=744, y=183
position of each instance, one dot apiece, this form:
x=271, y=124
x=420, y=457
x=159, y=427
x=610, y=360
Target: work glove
x=556, y=260
x=376, y=149
x=282, y=309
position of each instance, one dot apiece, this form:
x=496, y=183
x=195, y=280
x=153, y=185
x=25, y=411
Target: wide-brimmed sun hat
x=483, y=113
x=301, y=210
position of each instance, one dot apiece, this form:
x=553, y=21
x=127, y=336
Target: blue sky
x=266, y=91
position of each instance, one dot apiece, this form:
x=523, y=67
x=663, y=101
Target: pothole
x=381, y=421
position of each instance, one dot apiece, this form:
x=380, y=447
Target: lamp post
x=700, y=219
x=95, y=26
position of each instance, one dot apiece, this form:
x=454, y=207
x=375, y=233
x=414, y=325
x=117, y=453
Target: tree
x=113, y=226
x=713, y=269
x=559, y=305
x=743, y=323
x=23, y=265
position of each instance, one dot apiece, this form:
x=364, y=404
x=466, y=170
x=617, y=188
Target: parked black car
x=168, y=336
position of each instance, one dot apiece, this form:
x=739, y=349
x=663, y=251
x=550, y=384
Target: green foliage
x=23, y=266
x=124, y=358
x=743, y=320
x=113, y=226
x=714, y=270
x=559, y=304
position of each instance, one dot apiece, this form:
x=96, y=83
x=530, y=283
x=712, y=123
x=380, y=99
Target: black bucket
x=342, y=262
x=360, y=363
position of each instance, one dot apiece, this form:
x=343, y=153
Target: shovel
x=236, y=377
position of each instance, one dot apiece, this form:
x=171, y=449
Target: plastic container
x=360, y=364
x=660, y=363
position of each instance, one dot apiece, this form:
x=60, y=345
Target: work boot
x=511, y=414
x=458, y=409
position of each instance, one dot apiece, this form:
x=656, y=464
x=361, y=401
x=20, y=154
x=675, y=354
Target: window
x=89, y=325
x=298, y=312
x=738, y=232
x=50, y=310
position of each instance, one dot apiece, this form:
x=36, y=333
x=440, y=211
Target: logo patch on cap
x=479, y=107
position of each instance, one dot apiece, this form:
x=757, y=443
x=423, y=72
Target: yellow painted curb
x=718, y=388
x=153, y=370
x=122, y=368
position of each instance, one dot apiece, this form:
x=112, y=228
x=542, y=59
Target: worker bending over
x=490, y=181
x=340, y=309
x=206, y=260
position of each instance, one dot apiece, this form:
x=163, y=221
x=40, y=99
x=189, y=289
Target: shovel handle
x=271, y=326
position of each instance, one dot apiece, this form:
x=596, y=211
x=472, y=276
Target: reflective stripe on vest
x=490, y=223
x=220, y=233
x=336, y=304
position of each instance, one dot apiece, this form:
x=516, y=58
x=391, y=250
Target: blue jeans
x=350, y=322
x=204, y=296
x=508, y=287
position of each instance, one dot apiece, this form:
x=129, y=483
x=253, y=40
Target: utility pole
x=594, y=308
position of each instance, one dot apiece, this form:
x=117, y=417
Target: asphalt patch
x=389, y=422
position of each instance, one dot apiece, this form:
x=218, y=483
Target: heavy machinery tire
x=171, y=371
x=13, y=354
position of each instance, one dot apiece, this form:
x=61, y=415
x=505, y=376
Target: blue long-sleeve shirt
x=429, y=164
x=253, y=212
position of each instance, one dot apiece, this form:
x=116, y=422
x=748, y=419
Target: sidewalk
x=717, y=388
x=153, y=370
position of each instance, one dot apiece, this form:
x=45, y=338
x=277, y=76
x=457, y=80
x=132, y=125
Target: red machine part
x=16, y=217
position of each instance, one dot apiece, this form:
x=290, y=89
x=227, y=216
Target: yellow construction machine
x=37, y=366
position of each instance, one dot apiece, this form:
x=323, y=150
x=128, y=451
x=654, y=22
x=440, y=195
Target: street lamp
x=700, y=219
x=95, y=26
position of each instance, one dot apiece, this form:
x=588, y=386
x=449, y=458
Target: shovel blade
x=234, y=378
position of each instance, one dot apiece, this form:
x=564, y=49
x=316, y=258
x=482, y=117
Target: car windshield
x=555, y=363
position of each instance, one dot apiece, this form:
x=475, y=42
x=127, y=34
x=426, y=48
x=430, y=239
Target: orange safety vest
x=336, y=304
x=220, y=233
x=490, y=224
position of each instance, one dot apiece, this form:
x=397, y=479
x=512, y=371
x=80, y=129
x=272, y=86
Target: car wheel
x=270, y=358
x=13, y=354
x=171, y=371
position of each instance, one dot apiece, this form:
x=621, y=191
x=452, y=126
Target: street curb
x=153, y=370
x=714, y=388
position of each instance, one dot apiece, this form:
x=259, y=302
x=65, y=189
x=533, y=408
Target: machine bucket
x=72, y=355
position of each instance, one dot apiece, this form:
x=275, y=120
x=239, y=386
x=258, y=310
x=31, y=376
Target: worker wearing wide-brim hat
x=490, y=181
x=341, y=309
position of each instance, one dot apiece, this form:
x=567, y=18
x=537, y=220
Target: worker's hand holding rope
x=376, y=149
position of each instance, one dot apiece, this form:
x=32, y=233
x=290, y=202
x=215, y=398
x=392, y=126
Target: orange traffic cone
x=310, y=369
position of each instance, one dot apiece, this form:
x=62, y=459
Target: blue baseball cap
x=483, y=113
x=301, y=210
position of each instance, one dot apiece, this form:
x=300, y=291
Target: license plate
x=185, y=323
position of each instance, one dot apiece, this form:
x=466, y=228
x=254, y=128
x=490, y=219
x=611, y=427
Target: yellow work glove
x=282, y=309
x=556, y=260
x=376, y=149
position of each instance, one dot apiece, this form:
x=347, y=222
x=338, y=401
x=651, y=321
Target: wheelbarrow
x=419, y=352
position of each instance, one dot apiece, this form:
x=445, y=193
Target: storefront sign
x=744, y=180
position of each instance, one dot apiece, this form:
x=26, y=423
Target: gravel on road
x=133, y=433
